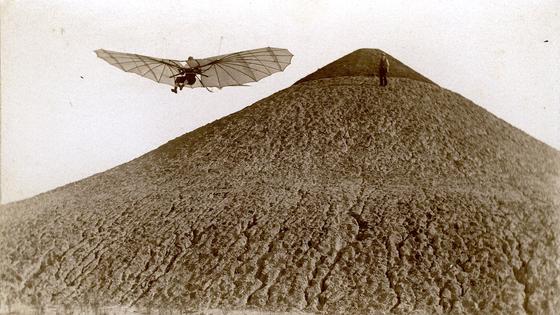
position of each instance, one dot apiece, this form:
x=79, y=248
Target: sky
x=66, y=115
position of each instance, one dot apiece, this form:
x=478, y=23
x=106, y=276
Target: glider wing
x=156, y=69
x=242, y=67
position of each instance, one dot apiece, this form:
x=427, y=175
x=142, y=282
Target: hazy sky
x=58, y=128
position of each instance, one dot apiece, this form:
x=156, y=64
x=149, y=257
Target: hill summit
x=334, y=195
x=364, y=62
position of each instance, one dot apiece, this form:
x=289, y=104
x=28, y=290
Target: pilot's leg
x=179, y=83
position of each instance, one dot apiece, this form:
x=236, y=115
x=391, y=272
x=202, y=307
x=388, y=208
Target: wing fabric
x=243, y=67
x=156, y=69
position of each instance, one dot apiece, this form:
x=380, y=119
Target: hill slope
x=333, y=195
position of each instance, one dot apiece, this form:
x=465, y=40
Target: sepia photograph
x=279, y=157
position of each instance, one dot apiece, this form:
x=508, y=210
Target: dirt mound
x=333, y=195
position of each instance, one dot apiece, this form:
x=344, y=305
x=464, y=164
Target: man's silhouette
x=383, y=70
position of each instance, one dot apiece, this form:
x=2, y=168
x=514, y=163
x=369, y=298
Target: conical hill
x=333, y=195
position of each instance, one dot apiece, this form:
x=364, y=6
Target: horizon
x=81, y=104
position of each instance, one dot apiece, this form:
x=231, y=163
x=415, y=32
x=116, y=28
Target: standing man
x=383, y=70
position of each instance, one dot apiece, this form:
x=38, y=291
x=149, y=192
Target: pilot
x=186, y=74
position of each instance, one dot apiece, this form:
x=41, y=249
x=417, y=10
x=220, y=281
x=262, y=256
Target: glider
x=235, y=69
